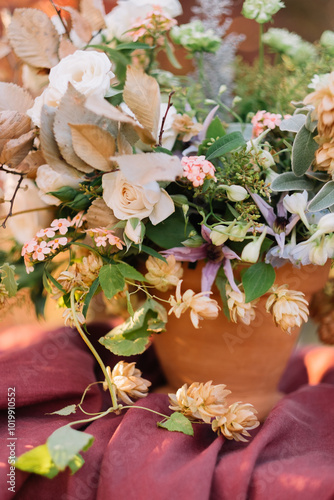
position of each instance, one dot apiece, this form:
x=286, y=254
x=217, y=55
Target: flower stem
x=143, y=408
x=261, y=48
x=94, y=352
x=86, y=420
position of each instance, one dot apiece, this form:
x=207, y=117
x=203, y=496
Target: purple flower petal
x=229, y=254
x=229, y=275
x=209, y=273
x=187, y=254
x=266, y=210
x=205, y=231
x=292, y=222
x=201, y=135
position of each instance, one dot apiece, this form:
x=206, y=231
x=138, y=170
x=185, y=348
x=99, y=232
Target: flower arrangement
x=137, y=172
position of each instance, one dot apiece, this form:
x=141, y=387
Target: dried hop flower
x=184, y=125
x=200, y=401
x=324, y=156
x=128, y=382
x=288, y=307
x=89, y=268
x=200, y=304
x=239, y=309
x=237, y=421
x=323, y=101
x=163, y=275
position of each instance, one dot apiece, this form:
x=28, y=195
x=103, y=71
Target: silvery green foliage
x=218, y=67
x=291, y=44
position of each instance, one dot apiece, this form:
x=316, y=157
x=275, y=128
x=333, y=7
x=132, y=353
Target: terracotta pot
x=248, y=359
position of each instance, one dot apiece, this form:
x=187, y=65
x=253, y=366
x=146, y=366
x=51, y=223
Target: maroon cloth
x=291, y=456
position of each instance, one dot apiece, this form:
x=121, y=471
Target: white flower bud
x=236, y=193
x=326, y=223
x=251, y=252
x=219, y=234
x=134, y=230
x=296, y=203
x=238, y=232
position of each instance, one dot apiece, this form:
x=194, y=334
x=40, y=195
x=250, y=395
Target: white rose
x=48, y=179
x=88, y=71
x=128, y=12
x=25, y=226
x=128, y=200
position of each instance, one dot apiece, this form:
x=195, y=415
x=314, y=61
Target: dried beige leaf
x=93, y=11
x=80, y=25
x=100, y=215
x=102, y=107
x=5, y=48
x=123, y=146
x=13, y=124
x=30, y=164
x=66, y=47
x=15, y=150
x=147, y=167
x=34, y=38
x=15, y=98
x=49, y=146
x=93, y=145
x=142, y=95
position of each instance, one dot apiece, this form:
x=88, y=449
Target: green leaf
x=53, y=280
x=257, y=280
x=95, y=285
x=39, y=461
x=8, y=279
x=323, y=199
x=114, y=55
x=65, y=193
x=150, y=251
x=128, y=304
x=67, y=410
x=111, y=280
x=160, y=149
x=170, y=55
x=220, y=282
x=177, y=422
x=133, y=46
x=215, y=129
x=225, y=144
x=132, y=336
x=65, y=443
x=76, y=463
x=170, y=232
x=129, y=272
x=289, y=182
x=303, y=150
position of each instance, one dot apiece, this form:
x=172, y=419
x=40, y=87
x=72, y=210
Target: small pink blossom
x=29, y=247
x=54, y=244
x=48, y=232
x=196, y=169
x=263, y=120
x=105, y=235
x=78, y=220
x=40, y=251
x=101, y=241
x=61, y=225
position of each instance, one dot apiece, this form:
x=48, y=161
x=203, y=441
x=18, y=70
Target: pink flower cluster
x=155, y=23
x=45, y=241
x=196, y=169
x=263, y=120
x=102, y=236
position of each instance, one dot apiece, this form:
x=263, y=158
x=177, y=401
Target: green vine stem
x=86, y=420
x=93, y=350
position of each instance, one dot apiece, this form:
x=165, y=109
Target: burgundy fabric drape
x=291, y=456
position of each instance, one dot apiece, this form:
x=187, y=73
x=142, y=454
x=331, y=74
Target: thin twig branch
x=169, y=105
x=61, y=19
x=18, y=185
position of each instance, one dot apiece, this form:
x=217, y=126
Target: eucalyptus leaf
x=293, y=124
x=177, y=422
x=303, y=150
x=257, y=280
x=65, y=443
x=323, y=199
x=225, y=144
x=289, y=182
